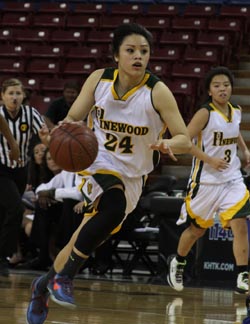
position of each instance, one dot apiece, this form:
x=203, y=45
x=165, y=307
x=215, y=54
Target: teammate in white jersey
x=129, y=109
x=216, y=185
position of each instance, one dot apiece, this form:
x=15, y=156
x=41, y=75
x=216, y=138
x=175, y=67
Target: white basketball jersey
x=218, y=139
x=125, y=127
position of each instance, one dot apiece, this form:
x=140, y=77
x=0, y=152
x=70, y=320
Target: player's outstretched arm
x=165, y=103
x=85, y=100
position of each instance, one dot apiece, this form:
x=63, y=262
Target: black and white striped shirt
x=27, y=122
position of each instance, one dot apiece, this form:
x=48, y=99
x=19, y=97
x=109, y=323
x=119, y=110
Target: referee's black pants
x=12, y=186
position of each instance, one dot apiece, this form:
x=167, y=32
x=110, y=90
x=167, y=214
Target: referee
x=23, y=121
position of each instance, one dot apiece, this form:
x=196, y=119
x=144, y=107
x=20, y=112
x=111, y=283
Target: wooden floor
x=119, y=301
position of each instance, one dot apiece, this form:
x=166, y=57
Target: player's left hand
x=246, y=159
x=44, y=135
x=163, y=147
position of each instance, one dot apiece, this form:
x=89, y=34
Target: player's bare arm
x=85, y=100
x=195, y=126
x=166, y=105
x=245, y=151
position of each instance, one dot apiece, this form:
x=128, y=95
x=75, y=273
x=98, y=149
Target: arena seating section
x=46, y=43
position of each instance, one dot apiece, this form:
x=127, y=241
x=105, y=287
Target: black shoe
x=4, y=267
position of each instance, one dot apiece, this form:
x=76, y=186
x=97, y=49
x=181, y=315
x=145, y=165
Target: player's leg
x=110, y=214
x=234, y=210
x=38, y=307
x=240, y=250
x=176, y=263
x=200, y=216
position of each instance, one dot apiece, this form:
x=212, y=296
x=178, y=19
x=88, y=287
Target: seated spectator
x=59, y=108
x=39, y=171
x=54, y=220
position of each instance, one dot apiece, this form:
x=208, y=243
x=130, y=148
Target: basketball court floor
x=112, y=299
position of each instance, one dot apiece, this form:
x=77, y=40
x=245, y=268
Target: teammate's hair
x=217, y=71
x=11, y=82
x=125, y=30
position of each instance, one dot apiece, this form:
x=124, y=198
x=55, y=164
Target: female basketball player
x=216, y=184
x=129, y=109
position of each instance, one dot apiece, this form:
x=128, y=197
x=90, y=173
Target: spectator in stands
x=129, y=108
x=23, y=121
x=36, y=174
x=39, y=171
x=59, y=108
x=46, y=214
x=215, y=179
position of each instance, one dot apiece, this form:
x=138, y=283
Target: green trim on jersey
x=108, y=74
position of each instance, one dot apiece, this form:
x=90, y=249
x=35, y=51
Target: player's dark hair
x=217, y=71
x=125, y=30
x=208, y=79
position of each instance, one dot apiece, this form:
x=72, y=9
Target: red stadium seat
x=31, y=84
x=6, y=35
x=181, y=86
x=31, y=35
x=82, y=21
x=12, y=50
x=191, y=70
x=112, y=22
x=167, y=53
x=233, y=26
x=16, y=6
x=185, y=93
x=67, y=37
x=13, y=66
x=49, y=20
x=154, y=22
x=131, y=9
x=99, y=37
x=205, y=10
x=52, y=84
x=241, y=11
x=78, y=68
x=163, y=9
x=46, y=51
x=15, y=19
x=54, y=7
x=218, y=40
x=41, y=103
x=159, y=68
x=92, y=53
x=189, y=23
x=43, y=66
x=90, y=8
x=202, y=55
x=181, y=38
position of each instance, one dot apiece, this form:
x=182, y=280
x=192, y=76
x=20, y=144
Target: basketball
x=73, y=147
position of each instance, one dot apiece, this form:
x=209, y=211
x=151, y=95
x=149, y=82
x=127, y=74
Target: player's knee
x=111, y=212
x=113, y=202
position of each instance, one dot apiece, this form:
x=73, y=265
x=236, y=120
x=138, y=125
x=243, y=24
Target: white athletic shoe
x=242, y=283
x=175, y=273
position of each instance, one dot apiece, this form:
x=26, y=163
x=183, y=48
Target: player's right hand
x=218, y=163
